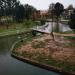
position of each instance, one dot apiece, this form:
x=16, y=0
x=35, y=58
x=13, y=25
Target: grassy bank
x=36, y=51
x=67, y=32
x=21, y=42
x=71, y=38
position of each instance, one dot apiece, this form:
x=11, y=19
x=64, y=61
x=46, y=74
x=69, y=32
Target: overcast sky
x=44, y=4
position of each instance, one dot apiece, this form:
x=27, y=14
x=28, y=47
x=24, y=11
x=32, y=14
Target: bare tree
x=51, y=12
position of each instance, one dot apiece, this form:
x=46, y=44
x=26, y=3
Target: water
x=47, y=27
x=12, y=66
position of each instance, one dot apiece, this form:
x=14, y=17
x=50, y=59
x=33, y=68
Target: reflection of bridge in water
x=47, y=28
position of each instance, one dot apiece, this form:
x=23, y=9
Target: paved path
x=63, y=34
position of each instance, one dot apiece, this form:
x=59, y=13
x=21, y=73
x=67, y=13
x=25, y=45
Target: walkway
x=63, y=34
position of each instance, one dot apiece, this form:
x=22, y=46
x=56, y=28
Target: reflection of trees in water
x=47, y=27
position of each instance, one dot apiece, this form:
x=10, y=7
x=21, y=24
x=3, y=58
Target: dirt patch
x=44, y=48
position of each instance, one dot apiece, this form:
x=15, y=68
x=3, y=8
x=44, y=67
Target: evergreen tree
x=29, y=11
x=19, y=13
x=72, y=21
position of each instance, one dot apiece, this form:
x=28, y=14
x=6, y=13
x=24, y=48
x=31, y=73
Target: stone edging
x=44, y=66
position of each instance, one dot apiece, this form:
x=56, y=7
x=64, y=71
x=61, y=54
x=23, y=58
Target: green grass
x=72, y=44
x=16, y=28
x=64, y=65
x=23, y=41
x=67, y=32
x=70, y=37
x=13, y=29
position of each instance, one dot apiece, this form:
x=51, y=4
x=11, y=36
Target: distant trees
x=51, y=10
x=16, y=10
x=8, y=7
x=1, y=9
x=19, y=13
x=23, y=12
x=29, y=10
x=70, y=7
x=72, y=21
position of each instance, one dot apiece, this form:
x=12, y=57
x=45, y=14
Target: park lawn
x=67, y=32
x=16, y=28
x=12, y=31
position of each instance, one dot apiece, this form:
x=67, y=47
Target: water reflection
x=47, y=27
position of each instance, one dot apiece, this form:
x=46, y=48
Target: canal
x=12, y=66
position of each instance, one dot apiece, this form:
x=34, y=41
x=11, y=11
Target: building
x=39, y=14
x=67, y=13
